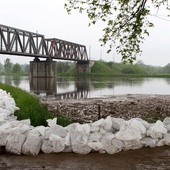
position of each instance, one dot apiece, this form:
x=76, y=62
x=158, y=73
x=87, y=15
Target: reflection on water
x=80, y=87
x=43, y=85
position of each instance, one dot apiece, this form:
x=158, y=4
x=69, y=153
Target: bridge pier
x=83, y=67
x=42, y=76
x=42, y=69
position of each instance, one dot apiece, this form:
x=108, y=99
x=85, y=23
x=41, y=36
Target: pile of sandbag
x=110, y=135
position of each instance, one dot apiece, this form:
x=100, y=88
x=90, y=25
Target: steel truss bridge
x=15, y=41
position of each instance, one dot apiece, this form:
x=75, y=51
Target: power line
x=160, y=17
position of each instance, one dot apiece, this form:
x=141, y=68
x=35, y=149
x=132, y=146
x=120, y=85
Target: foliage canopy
x=126, y=21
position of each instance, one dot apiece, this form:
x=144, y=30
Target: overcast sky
x=49, y=17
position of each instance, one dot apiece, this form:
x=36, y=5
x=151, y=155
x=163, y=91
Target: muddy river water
x=142, y=159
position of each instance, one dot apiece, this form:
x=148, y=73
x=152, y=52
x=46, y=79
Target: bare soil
x=142, y=159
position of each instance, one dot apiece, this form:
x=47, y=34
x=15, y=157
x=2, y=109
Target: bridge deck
x=15, y=41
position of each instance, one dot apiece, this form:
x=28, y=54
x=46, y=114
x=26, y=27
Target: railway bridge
x=19, y=42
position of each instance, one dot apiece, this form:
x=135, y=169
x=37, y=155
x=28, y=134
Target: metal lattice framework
x=15, y=41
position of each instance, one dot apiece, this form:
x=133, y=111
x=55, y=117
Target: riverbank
x=147, y=107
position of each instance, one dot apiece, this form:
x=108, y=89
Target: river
x=90, y=88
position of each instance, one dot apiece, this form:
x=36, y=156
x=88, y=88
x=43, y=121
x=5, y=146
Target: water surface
x=90, y=88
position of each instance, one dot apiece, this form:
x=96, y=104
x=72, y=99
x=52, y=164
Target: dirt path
x=142, y=159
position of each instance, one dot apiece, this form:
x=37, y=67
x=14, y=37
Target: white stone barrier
x=110, y=135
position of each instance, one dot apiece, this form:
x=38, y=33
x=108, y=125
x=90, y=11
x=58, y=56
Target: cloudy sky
x=49, y=17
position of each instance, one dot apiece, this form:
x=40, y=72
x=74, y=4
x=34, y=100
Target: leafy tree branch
x=127, y=22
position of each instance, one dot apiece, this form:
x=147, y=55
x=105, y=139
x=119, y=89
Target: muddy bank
x=147, y=107
x=146, y=158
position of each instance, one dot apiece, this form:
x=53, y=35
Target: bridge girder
x=15, y=41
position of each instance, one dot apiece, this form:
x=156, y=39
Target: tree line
x=8, y=67
x=100, y=67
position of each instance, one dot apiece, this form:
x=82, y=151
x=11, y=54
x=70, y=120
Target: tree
x=7, y=65
x=126, y=21
x=16, y=68
x=1, y=67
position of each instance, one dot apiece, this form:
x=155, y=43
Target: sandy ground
x=142, y=159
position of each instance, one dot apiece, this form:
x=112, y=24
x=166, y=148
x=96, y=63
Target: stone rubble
x=147, y=107
x=110, y=135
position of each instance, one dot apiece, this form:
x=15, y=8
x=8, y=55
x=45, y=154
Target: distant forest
x=99, y=67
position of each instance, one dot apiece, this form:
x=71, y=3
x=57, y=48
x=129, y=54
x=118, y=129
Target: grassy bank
x=30, y=107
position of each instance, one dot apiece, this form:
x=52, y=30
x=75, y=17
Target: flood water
x=77, y=88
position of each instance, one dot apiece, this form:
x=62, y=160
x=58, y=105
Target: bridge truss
x=15, y=41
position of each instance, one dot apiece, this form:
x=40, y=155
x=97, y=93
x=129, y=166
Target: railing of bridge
x=15, y=41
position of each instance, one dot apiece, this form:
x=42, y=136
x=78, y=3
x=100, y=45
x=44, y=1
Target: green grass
x=30, y=107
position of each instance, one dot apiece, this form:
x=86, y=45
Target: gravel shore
x=147, y=107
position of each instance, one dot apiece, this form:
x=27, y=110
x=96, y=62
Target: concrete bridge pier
x=42, y=69
x=42, y=76
x=83, y=67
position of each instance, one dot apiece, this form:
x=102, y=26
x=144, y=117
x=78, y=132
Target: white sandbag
x=26, y=121
x=133, y=144
x=96, y=146
x=116, y=122
x=41, y=130
x=128, y=132
x=14, y=143
x=149, y=142
x=56, y=130
x=80, y=147
x=67, y=140
x=164, y=141
x=98, y=122
x=57, y=142
x=72, y=127
x=47, y=146
x=52, y=122
x=83, y=128
x=107, y=137
x=157, y=130
x=94, y=137
x=140, y=125
x=14, y=127
x=32, y=145
x=3, y=137
x=94, y=129
x=80, y=134
x=107, y=124
x=166, y=123
x=73, y=135
x=110, y=144
x=68, y=149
